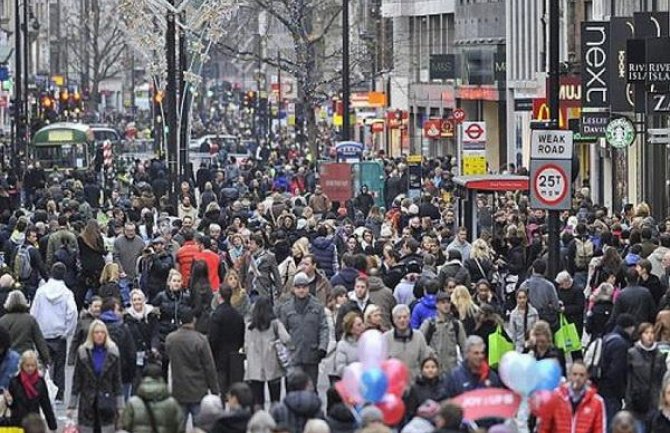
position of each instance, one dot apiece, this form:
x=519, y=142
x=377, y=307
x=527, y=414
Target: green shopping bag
x=498, y=346
x=567, y=338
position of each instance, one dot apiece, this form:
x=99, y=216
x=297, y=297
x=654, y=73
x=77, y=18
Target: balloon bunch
x=375, y=379
x=531, y=378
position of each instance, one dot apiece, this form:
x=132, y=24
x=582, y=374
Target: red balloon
x=397, y=374
x=393, y=409
x=542, y=403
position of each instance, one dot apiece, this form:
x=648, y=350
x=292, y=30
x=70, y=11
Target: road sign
x=551, y=144
x=447, y=128
x=458, y=115
x=474, y=132
x=474, y=163
x=550, y=184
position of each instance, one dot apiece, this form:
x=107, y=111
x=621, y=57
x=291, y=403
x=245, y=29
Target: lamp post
x=346, y=120
x=171, y=105
x=18, y=85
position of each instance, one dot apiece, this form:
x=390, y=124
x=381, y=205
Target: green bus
x=64, y=145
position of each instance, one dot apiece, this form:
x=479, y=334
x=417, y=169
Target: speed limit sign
x=550, y=184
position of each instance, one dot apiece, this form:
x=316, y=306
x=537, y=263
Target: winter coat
x=262, y=362
x=171, y=306
x=542, y=295
x=159, y=268
x=261, y=274
x=404, y=292
x=167, y=412
x=426, y=309
x=120, y=334
x=454, y=269
x=473, y=266
x=411, y=349
x=659, y=423
x=296, y=409
x=573, y=301
x=587, y=417
x=341, y=420
x=520, y=323
x=424, y=389
x=382, y=296
x=226, y=334
x=462, y=380
x=447, y=340
x=612, y=382
x=393, y=275
x=126, y=252
x=54, y=300
x=232, y=422
x=58, y=238
x=646, y=369
x=192, y=364
x=308, y=330
x=87, y=388
x=143, y=329
x=22, y=406
x=636, y=301
x=418, y=425
x=348, y=307
x=345, y=354
x=325, y=252
x=26, y=334
x=92, y=262
x=598, y=318
x=80, y=334
x=345, y=277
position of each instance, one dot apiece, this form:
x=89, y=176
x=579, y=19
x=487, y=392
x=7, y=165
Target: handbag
x=567, y=338
x=5, y=413
x=498, y=346
x=105, y=401
x=283, y=352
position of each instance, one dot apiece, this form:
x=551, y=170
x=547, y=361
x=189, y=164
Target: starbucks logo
x=620, y=133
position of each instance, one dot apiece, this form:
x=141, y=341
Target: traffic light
x=251, y=96
x=158, y=97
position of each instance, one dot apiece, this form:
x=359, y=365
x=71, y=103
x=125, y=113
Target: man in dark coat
x=111, y=314
x=634, y=300
x=612, y=383
x=299, y=406
x=226, y=335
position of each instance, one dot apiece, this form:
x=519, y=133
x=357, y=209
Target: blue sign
x=4, y=73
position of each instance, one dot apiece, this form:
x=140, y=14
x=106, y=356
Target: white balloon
x=372, y=349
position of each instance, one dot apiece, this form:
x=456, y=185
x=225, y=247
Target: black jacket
x=120, y=334
x=646, y=369
x=226, y=333
x=92, y=262
x=614, y=364
x=636, y=301
x=422, y=390
x=573, y=302
x=597, y=320
x=232, y=422
x=22, y=406
x=159, y=268
x=172, y=307
x=659, y=423
x=296, y=409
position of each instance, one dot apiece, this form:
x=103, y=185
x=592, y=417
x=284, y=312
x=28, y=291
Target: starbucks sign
x=620, y=133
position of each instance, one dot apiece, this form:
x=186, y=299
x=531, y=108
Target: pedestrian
x=374, y=319
x=28, y=393
x=571, y=300
x=404, y=343
x=613, y=381
x=467, y=311
x=660, y=420
x=541, y=346
x=240, y=299
x=445, y=334
x=97, y=392
x=359, y=301
x=521, y=320
x=259, y=271
x=426, y=308
x=55, y=310
x=473, y=372
x=23, y=329
x=347, y=348
x=212, y=260
x=542, y=294
x=62, y=239
x=186, y=255
x=86, y=316
x=158, y=264
x=429, y=385
x=191, y=365
x=173, y=304
x=109, y=286
x=382, y=296
x=128, y=248
x=142, y=322
x=239, y=410
x=299, y=405
x=93, y=252
x=645, y=372
x=578, y=408
x=111, y=315
x=449, y=419
x=260, y=339
x=226, y=336
x=201, y=295
x=152, y=409
x=305, y=320
x=29, y=267
x=634, y=300
x=600, y=312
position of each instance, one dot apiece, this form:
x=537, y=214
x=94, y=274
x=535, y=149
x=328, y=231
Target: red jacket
x=185, y=256
x=213, y=262
x=589, y=417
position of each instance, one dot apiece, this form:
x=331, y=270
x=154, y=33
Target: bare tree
x=97, y=43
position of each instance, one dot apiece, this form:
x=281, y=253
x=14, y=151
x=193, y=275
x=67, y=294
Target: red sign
x=497, y=184
x=551, y=184
x=447, y=128
x=488, y=403
x=336, y=181
x=474, y=131
x=377, y=127
x=432, y=128
x=397, y=119
x=458, y=115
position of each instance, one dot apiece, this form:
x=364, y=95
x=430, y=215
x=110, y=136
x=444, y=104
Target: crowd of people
x=240, y=308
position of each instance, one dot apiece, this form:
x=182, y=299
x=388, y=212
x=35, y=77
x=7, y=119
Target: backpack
x=22, y=266
x=432, y=327
x=584, y=250
x=593, y=358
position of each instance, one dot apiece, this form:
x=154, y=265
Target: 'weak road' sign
x=551, y=145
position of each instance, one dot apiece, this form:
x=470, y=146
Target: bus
x=64, y=145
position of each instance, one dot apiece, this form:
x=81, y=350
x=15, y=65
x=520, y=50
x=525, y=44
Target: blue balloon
x=548, y=373
x=373, y=384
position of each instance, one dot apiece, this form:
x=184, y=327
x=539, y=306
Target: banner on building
x=595, y=64
x=594, y=124
x=442, y=67
x=621, y=92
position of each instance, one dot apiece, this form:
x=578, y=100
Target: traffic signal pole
x=553, y=227
x=171, y=105
x=346, y=91
x=18, y=84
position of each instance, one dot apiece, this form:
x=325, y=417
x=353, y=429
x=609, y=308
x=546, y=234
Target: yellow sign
x=414, y=159
x=58, y=80
x=474, y=164
x=337, y=120
x=60, y=135
x=291, y=119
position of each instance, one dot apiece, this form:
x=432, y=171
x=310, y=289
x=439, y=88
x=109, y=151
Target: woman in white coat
x=347, y=347
x=263, y=330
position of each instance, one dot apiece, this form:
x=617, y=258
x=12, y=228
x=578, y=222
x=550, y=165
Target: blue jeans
x=612, y=406
x=190, y=408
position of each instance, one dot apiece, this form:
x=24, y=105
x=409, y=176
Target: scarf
x=140, y=315
x=29, y=382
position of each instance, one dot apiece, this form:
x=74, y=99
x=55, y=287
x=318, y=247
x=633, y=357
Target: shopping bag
x=498, y=346
x=567, y=338
x=52, y=389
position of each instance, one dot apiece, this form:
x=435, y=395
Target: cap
x=158, y=240
x=301, y=279
x=370, y=414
